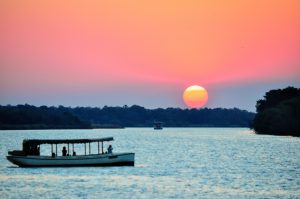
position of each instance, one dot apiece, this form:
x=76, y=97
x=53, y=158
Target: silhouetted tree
x=278, y=113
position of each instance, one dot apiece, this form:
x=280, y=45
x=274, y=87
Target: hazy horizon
x=248, y=94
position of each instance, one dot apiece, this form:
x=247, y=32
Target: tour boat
x=158, y=125
x=30, y=155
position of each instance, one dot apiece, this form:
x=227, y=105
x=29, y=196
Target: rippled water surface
x=172, y=163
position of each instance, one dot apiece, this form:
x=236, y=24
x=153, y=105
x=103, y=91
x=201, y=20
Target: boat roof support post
x=89, y=148
x=102, y=146
x=56, y=150
x=51, y=148
x=73, y=148
x=84, y=148
x=68, y=149
x=98, y=148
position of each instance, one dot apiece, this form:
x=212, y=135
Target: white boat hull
x=114, y=159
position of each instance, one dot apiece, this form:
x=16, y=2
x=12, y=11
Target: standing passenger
x=38, y=150
x=64, y=151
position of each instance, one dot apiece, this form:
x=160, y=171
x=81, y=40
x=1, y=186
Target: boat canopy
x=66, y=141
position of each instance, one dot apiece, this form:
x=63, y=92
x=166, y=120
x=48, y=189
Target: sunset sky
x=96, y=53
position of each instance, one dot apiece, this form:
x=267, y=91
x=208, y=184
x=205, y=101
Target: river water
x=169, y=163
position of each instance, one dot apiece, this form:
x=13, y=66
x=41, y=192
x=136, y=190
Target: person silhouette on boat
x=109, y=149
x=38, y=150
x=64, y=151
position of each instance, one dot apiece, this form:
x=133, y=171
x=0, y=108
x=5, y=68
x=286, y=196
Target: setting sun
x=195, y=96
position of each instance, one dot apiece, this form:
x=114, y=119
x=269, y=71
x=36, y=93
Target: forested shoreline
x=43, y=117
x=278, y=113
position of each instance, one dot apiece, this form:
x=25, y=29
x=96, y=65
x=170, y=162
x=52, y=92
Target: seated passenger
x=109, y=149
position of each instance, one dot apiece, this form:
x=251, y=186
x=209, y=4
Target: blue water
x=172, y=163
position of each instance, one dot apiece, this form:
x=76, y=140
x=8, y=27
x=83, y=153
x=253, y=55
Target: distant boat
x=158, y=125
x=30, y=155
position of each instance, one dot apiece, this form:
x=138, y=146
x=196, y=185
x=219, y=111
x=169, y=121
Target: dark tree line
x=31, y=117
x=137, y=116
x=278, y=113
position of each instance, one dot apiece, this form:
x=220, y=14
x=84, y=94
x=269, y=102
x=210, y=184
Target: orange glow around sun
x=195, y=96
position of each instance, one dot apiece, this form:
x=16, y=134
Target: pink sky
x=118, y=52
